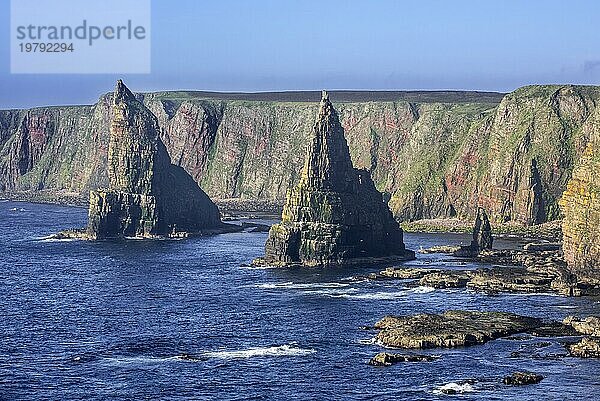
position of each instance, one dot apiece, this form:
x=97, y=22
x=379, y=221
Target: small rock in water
x=448, y=249
x=450, y=329
x=588, y=347
x=408, y=273
x=388, y=359
x=522, y=379
x=589, y=325
x=446, y=279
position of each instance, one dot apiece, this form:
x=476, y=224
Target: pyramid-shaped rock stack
x=147, y=195
x=335, y=215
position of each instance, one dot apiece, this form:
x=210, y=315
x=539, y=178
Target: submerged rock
x=334, y=215
x=450, y=329
x=147, y=195
x=522, y=379
x=388, y=359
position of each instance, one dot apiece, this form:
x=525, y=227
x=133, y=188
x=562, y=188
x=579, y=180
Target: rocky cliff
x=434, y=155
x=334, y=215
x=147, y=195
x=580, y=204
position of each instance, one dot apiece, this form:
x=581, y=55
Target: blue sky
x=258, y=45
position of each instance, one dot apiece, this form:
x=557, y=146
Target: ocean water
x=183, y=320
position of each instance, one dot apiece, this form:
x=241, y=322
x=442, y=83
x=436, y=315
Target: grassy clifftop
x=435, y=154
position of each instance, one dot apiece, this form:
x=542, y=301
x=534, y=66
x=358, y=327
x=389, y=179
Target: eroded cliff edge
x=433, y=158
x=580, y=204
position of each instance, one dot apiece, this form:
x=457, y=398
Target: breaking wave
x=291, y=349
x=300, y=286
x=380, y=295
x=454, y=388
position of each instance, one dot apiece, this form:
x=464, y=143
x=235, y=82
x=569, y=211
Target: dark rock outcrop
x=450, y=329
x=522, y=379
x=334, y=215
x=147, y=195
x=482, y=236
x=482, y=232
x=389, y=359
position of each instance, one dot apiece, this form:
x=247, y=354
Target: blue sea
x=185, y=320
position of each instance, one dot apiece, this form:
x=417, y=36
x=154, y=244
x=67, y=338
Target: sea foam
x=300, y=286
x=291, y=349
x=457, y=388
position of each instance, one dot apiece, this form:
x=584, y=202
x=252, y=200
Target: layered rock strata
x=147, y=195
x=437, y=155
x=580, y=204
x=334, y=215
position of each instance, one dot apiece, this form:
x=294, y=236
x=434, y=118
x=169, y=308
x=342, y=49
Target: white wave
x=566, y=306
x=383, y=295
x=279, y=350
x=331, y=292
x=17, y=209
x=367, y=341
x=455, y=387
x=291, y=349
x=422, y=290
x=51, y=239
x=126, y=360
x=265, y=267
x=300, y=286
x=539, y=294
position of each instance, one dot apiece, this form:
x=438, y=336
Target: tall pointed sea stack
x=580, y=205
x=147, y=195
x=335, y=215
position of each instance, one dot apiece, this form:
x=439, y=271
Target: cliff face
x=146, y=195
x=334, y=215
x=581, y=207
x=434, y=159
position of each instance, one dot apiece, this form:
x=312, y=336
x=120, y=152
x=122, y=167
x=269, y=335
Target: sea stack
x=482, y=236
x=334, y=215
x=147, y=195
x=580, y=205
x=482, y=231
